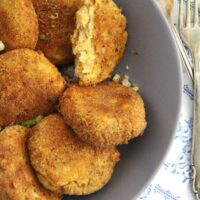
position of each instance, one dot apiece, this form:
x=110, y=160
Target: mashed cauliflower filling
x=86, y=68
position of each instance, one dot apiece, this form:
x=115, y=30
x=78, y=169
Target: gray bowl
x=157, y=71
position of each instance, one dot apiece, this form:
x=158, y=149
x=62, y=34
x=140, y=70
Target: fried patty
x=30, y=86
x=104, y=115
x=98, y=41
x=64, y=163
x=17, y=180
x=18, y=24
x=56, y=24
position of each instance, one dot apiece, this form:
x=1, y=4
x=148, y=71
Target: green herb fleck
x=33, y=122
x=135, y=87
x=43, y=36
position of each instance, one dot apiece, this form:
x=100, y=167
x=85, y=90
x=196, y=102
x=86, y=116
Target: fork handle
x=195, y=159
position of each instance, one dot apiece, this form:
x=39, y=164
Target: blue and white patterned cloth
x=173, y=181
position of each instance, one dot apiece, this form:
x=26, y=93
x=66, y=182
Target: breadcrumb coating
x=64, y=163
x=17, y=179
x=98, y=41
x=18, y=24
x=104, y=115
x=30, y=86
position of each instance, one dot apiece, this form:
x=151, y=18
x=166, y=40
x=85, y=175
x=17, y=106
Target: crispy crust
x=17, y=180
x=65, y=164
x=108, y=40
x=57, y=23
x=104, y=115
x=30, y=86
x=18, y=24
x=110, y=36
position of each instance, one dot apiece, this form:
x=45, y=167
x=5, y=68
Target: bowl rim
x=155, y=3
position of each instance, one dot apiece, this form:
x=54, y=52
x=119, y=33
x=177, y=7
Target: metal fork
x=190, y=34
x=187, y=64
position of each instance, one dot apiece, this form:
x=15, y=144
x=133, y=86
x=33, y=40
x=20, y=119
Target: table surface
x=173, y=180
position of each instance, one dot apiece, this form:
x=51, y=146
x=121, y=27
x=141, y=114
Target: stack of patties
x=72, y=150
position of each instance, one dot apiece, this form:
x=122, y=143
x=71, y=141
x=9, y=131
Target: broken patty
x=98, y=41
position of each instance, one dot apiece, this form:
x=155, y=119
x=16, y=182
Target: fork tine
x=188, y=14
x=196, y=13
x=180, y=18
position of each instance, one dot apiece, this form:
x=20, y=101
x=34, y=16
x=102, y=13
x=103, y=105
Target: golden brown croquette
x=104, y=115
x=56, y=24
x=65, y=164
x=18, y=24
x=17, y=179
x=98, y=41
x=30, y=86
